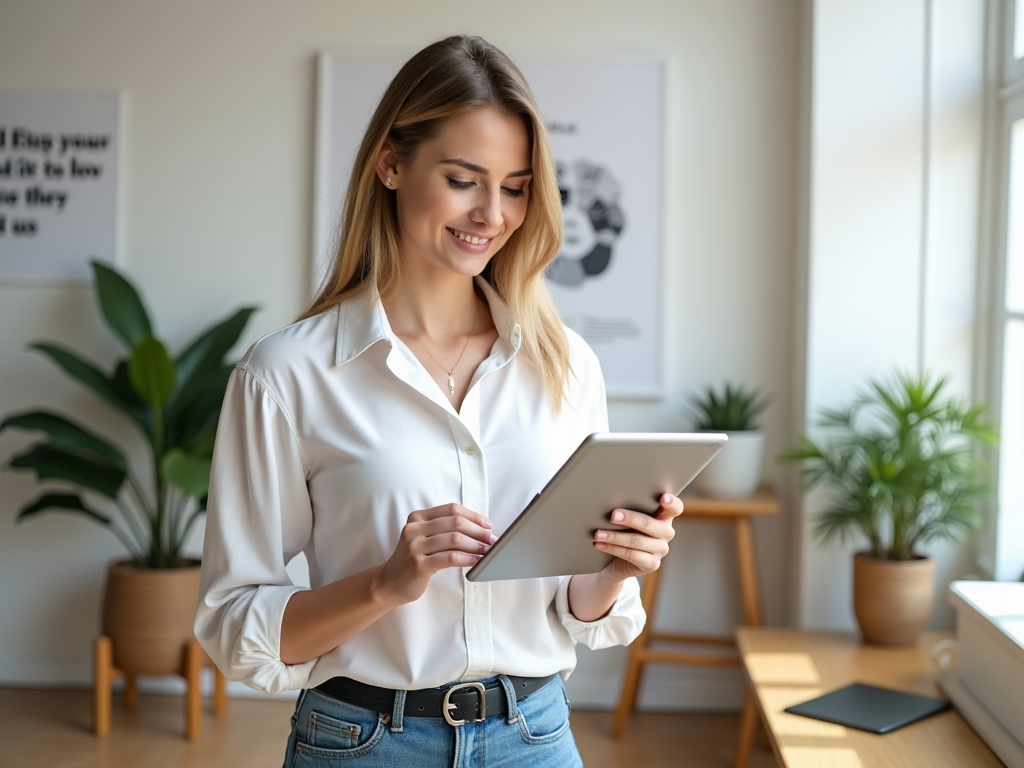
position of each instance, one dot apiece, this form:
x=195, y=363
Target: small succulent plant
x=731, y=409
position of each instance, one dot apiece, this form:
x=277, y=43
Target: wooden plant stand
x=737, y=514
x=194, y=659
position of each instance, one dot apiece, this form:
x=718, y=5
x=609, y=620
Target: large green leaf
x=66, y=434
x=61, y=502
x=151, y=371
x=133, y=404
x=52, y=463
x=192, y=407
x=85, y=372
x=121, y=305
x=203, y=445
x=196, y=412
x=190, y=473
x=207, y=352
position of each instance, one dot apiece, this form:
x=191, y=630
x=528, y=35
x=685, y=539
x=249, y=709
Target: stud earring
x=388, y=182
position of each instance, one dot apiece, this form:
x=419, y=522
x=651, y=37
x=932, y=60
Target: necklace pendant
x=451, y=384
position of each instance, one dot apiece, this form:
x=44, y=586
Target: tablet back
x=553, y=536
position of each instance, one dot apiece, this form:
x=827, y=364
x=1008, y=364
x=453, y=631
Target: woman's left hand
x=639, y=550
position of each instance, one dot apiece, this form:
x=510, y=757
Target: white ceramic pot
x=735, y=472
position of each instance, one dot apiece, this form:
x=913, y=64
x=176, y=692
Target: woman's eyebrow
x=480, y=169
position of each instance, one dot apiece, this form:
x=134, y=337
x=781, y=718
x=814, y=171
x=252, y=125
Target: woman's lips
x=470, y=242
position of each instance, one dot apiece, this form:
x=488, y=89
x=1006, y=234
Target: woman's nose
x=488, y=212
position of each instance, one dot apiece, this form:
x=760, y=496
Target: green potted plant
x=736, y=471
x=901, y=465
x=175, y=402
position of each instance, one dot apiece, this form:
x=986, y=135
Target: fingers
x=642, y=561
x=607, y=540
x=651, y=525
x=450, y=510
x=449, y=541
x=454, y=525
x=448, y=536
x=437, y=562
x=448, y=549
x=644, y=546
x=671, y=506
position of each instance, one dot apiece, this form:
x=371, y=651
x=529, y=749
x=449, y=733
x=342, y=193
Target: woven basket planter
x=892, y=599
x=148, y=614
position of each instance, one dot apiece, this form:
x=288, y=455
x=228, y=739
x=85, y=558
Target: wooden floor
x=50, y=729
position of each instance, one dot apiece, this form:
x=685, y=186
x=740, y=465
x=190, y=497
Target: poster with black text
x=58, y=184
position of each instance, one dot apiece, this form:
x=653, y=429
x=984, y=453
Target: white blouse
x=331, y=434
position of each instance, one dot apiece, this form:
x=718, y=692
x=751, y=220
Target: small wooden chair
x=194, y=660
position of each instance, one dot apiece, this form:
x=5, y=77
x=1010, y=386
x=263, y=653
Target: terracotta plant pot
x=892, y=599
x=147, y=614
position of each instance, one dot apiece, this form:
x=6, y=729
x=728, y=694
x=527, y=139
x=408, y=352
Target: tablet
x=870, y=708
x=554, y=535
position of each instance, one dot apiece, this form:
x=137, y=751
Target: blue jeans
x=534, y=733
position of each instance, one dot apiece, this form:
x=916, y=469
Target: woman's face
x=464, y=193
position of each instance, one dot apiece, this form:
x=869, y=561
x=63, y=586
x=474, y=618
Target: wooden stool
x=737, y=512
x=195, y=659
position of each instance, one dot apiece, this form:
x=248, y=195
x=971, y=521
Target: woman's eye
x=456, y=184
x=514, y=192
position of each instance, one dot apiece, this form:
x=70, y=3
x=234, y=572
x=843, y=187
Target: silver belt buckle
x=447, y=706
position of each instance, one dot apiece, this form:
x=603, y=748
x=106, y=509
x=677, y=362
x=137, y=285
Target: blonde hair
x=445, y=79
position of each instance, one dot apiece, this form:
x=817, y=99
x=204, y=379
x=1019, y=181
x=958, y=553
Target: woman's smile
x=470, y=242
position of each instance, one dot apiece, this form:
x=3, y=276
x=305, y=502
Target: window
x=1008, y=305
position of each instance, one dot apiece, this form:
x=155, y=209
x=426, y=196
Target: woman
x=411, y=412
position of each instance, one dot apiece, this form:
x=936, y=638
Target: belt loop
x=397, y=711
x=298, y=705
x=510, y=696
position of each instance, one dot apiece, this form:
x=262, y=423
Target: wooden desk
x=737, y=513
x=789, y=666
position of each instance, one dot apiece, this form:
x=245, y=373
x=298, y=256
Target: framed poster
x=604, y=117
x=58, y=183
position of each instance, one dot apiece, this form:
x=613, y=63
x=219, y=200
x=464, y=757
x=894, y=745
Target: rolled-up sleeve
x=259, y=517
x=620, y=626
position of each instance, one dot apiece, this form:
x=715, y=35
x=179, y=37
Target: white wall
x=218, y=185
x=894, y=167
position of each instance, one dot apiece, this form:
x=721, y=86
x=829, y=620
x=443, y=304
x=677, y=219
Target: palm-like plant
x=733, y=409
x=901, y=462
x=175, y=402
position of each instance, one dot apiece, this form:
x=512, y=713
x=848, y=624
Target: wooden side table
x=737, y=513
x=787, y=666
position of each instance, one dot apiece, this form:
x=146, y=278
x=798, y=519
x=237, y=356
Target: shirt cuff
x=620, y=626
x=256, y=660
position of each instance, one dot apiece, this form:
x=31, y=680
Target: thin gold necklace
x=451, y=373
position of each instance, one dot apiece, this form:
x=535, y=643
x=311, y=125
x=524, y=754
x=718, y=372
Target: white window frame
x=1001, y=554
x=1012, y=69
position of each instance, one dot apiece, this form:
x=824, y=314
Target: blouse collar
x=362, y=322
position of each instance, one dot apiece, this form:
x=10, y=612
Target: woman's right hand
x=318, y=620
x=449, y=536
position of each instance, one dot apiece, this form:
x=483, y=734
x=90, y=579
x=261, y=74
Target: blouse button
x=471, y=450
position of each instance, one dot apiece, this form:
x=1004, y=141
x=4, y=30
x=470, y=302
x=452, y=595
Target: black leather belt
x=458, y=704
